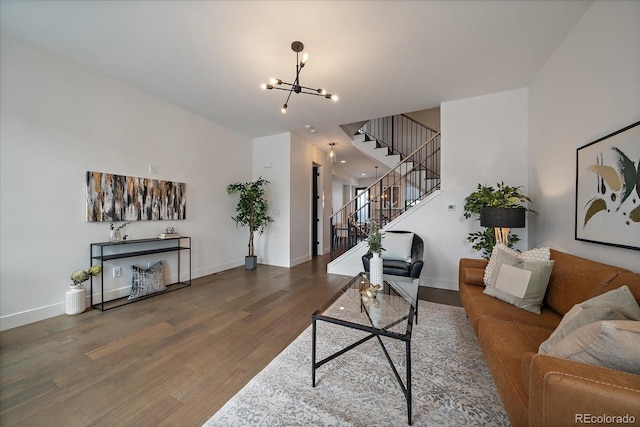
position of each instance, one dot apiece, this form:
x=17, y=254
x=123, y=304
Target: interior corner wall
x=286, y=161
x=589, y=88
x=60, y=120
x=301, y=195
x=272, y=161
x=484, y=141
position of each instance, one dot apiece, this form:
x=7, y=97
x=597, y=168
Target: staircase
x=414, y=174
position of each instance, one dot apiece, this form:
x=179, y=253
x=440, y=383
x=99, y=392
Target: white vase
x=76, y=300
x=375, y=268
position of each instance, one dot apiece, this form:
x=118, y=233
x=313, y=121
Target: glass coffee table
x=391, y=314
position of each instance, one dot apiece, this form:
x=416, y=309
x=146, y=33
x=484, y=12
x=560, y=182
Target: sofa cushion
x=397, y=246
x=395, y=267
x=613, y=344
x=504, y=345
x=618, y=304
x=519, y=282
x=478, y=305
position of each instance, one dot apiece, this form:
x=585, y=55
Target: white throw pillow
x=614, y=344
x=397, y=246
x=493, y=267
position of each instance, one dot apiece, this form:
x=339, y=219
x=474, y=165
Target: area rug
x=452, y=385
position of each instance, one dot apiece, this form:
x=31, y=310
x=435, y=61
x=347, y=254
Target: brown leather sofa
x=540, y=390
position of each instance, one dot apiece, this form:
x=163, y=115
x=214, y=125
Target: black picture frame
x=607, y=208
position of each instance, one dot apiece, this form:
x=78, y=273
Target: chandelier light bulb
x=284, y=108
x=334, y=98
x=263, y=86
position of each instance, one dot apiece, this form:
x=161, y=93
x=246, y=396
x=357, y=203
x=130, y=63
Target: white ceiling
x=380, y=57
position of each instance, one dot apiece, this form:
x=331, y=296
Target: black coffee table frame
x=405, y=385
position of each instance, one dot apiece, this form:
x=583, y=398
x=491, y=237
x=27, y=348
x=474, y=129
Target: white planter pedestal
x=76, y=300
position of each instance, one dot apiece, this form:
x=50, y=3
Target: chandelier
x=296, y=87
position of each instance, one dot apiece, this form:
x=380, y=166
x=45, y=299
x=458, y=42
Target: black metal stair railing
x=412, y=180
x=400, y=134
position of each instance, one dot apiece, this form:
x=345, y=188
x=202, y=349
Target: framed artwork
x=113, y=197
x=608, y=189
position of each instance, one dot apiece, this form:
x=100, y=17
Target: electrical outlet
x=116, y=271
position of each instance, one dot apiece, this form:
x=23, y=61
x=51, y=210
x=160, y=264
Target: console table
x=109, y=251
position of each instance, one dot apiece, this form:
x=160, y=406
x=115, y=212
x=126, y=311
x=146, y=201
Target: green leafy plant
x=251, y=210
x=80, y=276
x=502, y=196
x=374, y=239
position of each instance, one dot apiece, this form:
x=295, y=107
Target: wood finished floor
x=171, y=360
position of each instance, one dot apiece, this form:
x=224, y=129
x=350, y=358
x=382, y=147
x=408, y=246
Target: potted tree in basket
x=503, y=196
x=251, y=211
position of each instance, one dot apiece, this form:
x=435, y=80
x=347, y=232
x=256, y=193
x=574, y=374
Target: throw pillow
x=612, y=344
x=578, y=317
x=617, y=304
x=397, y=246
x=521, y=283
x=621, y=299
x=493, y=267
x=147, y=281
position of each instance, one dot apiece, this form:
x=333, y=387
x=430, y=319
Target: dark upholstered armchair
x=409, y=264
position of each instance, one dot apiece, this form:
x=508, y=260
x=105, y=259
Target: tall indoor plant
x=251, y=211
x=503, y=196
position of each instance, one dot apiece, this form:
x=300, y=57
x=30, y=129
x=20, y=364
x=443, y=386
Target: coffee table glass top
x=390, y=311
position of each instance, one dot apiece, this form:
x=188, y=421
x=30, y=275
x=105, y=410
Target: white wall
x=58, y=121
x=588, y=89
x=272, y=161
x=287, y=162
x=484, y=140
x=301, y=195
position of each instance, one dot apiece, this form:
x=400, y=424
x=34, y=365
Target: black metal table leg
x=313, y=354
x=409, y=398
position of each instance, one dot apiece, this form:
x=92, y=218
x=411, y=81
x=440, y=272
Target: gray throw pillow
x=614, y=344
x=501, y=251
x=577, y=318
x=621, y=299
x=522, y=283
x=618, y=304
x=147, y=281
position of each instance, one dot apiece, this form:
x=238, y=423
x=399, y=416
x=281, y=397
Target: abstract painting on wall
x=125, y=198
x=608, y=189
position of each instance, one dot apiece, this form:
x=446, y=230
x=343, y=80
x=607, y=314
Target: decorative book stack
x=168, y=235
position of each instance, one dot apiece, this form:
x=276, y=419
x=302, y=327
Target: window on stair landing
x=362, y=205
x=390, y=198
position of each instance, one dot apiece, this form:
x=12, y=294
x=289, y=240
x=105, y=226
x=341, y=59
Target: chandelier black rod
x=296, y=87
